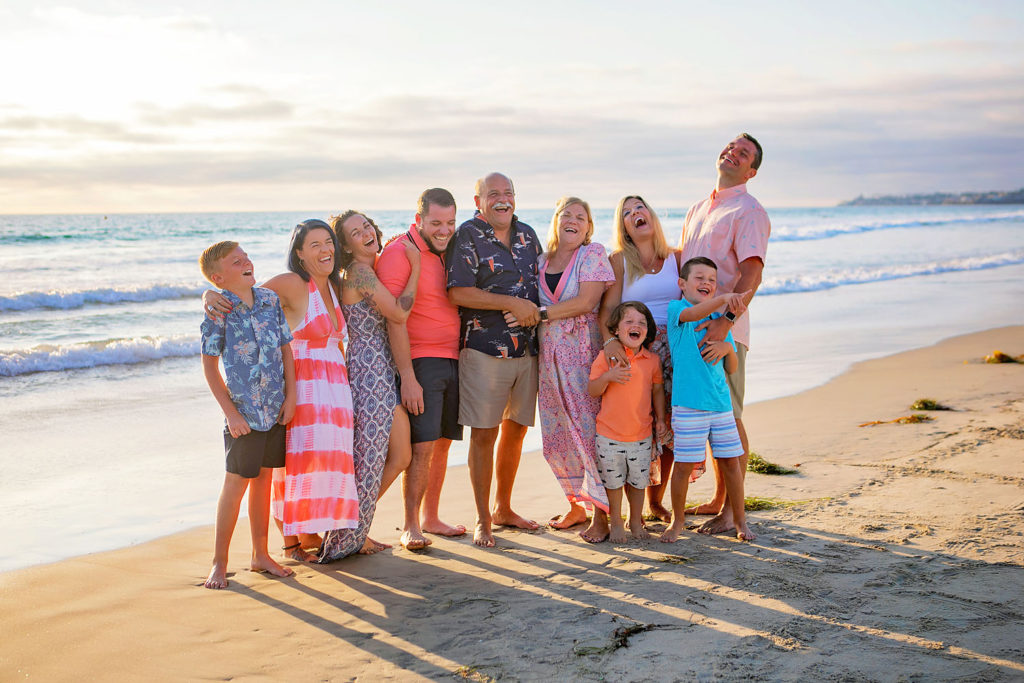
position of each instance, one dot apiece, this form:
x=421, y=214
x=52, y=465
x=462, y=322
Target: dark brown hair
x=620, y=312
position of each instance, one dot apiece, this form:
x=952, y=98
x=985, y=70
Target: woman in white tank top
x=646, y=270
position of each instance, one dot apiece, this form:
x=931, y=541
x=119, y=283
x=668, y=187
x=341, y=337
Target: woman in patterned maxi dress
x=315, y=492
x=574, y=273
x=382, y=439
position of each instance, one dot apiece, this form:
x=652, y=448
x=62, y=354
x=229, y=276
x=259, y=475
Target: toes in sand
x=268, y=565
x=218, y=577
x=439, y=528
x=483, y=537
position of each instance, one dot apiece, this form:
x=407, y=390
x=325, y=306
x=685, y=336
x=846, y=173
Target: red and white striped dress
x=316, y=491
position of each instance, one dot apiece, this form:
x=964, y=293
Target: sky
x=118, y=106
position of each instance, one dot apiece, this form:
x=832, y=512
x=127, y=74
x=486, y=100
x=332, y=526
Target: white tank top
x=655, y=290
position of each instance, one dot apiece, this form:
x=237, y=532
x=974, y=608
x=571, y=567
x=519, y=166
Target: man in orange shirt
x=426, y=352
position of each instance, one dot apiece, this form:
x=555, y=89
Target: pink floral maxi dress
x=567, y=349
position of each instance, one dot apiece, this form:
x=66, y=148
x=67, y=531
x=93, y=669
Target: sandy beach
x=896, y=553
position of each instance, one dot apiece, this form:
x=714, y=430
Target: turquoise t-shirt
x=696, y=384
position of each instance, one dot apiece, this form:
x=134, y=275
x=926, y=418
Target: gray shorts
x=624, y=462
x=495, y=389
x=737, y=381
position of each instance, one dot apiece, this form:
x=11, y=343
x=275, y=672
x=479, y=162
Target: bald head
x=495, y=198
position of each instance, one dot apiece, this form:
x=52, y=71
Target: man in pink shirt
x=426, y=351
x=731, y=228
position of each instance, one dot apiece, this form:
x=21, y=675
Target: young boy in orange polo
x=624, y=425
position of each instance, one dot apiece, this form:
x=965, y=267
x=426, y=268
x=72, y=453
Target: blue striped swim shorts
x=694, y=428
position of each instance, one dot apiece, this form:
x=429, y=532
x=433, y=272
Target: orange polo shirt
x=625, y=413
x=433, y=323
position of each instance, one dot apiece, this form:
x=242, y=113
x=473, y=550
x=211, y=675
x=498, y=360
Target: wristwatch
x=730, y=316
x=543, y=313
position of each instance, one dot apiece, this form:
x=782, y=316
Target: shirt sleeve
x=751, y=236
x=595, y=266
x=463, y=262
x=393, y=269
x=599, y=366
x=212, y=336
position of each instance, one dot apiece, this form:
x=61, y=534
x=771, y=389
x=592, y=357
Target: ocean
x=110, y=436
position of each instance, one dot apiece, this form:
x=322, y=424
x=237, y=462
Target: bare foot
x=414, y=541
x=719, y=524
x=218, y=577
x=598, y=530
x=310, y=541
x=266, y=563
x=436, y=526
x=576, y=515
x=299, y=555
x=711, y=507
x=617, y=534
x=510, y=518
x=671, y=534
x=483, y=536
x=658, y=510
x=744, y=533
x=371, y=546
x=638, y=531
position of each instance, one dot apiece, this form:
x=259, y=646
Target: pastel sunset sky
x=114, y=106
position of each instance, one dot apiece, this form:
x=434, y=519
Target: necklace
x=652, y=269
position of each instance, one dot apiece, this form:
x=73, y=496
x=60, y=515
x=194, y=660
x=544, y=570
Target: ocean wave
x=49, y=358
x=859, y=276
x=62, y=299
x=784, y=233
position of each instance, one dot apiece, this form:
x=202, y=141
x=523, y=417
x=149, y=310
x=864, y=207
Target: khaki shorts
x=495, y=389
x=737, y=381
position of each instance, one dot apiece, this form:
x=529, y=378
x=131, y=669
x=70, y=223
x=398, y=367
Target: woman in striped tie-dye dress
x=315, y=492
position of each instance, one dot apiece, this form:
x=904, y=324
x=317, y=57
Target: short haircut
x=436, y=196
x=684, y=272
x=482, y=182
x=757, y=145
x=562, y=204
x=345, y=258
x=209, y=260
x=619, y=312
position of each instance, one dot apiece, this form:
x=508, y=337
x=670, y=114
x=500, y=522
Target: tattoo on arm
x=364, y=281
x=406, y=301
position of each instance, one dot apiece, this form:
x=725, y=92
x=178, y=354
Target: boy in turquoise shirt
x=701, y=406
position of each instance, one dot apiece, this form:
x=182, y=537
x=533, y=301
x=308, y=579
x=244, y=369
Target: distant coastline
x=1011, y=197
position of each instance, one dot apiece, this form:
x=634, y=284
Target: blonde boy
x=701, y=405
x=258, y=399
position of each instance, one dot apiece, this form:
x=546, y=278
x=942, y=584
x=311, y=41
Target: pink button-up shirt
x=728, y=227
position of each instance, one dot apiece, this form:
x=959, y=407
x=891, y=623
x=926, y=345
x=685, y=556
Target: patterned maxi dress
x=316, y=491
x=374, y=396
x=567, y=411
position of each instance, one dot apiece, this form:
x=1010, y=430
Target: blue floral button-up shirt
x=476, y=258
x=249, y=342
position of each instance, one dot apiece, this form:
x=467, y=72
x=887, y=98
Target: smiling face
x=437, y=227
x=574, y=226
x=636, y=219
x=700, y=283
x=496, y=201
x=632, y=329
x=735, y=163
x=234, y=272
x=317, y=252
x=359, y=238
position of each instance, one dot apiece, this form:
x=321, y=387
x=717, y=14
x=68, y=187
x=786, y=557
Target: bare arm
x=706, y=308
x=658, y=399
x=412, y=392
x=584, y=302
x=288, y=407
x=237, y=424
x=616, y=373
x=613, y=350
x=396, y=309
x=524, y=310
x=750, y=279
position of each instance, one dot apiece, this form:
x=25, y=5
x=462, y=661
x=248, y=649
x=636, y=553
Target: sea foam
x=49, y=358
x=68, y=299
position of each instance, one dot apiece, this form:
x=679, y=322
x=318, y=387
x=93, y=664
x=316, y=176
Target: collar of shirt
x=488, y=230
x=728, y=193
x=640, y=354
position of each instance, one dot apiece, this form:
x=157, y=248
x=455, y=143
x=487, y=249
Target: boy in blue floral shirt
x=258, y=399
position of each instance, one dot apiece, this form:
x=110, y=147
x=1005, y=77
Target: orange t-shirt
x=625, y=413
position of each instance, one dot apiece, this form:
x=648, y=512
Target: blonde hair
x=559, y=208
x=623, y=243
x=209, y=260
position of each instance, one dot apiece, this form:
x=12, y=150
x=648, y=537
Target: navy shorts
x=439, y=378
x=251, y=452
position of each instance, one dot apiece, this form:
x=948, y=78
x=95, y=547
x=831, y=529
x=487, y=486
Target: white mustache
x=502, y=205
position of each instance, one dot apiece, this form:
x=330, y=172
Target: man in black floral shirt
x=492, y=269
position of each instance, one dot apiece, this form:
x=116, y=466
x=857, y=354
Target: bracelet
x=609, y=341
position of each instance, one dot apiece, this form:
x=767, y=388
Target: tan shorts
x=737, y=381
x=495, y=389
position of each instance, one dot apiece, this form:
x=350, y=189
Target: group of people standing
x=470, y=326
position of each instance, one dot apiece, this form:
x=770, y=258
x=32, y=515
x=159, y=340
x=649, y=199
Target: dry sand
x=901, y=560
